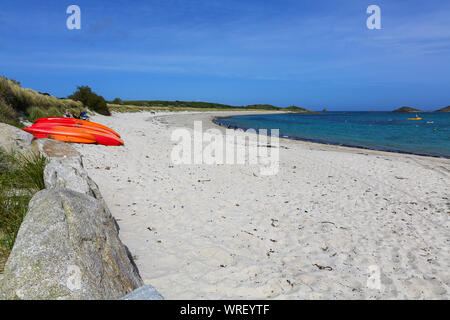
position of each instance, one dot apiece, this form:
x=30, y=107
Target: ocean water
x=373, y=130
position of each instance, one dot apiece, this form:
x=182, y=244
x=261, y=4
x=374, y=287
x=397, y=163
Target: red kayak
x=75, y=121
x=74, y=134
x=53, y=124
x=61, y=135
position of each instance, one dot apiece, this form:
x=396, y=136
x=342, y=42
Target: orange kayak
x=75, y=125
x=75, y=121
x=74, y=135
x=65, y=134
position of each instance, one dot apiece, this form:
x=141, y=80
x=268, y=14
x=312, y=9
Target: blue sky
x=308, y=53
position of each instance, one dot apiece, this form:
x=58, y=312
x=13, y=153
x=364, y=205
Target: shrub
x=90, y=99
x=117, y=101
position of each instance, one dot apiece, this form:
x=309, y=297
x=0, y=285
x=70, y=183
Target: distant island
x=445, y=109
x=298, y=109
x=406, y=110
x=413, y=110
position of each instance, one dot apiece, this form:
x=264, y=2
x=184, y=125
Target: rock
x=54, y=149
x=12, y=138
x=144, y=293
x=67, y=173
x=65, y=168
x=68, y=248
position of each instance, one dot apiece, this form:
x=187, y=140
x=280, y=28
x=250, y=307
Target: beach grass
x=17, y=102
x=20, y=177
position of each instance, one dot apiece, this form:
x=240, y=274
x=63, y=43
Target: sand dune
x=324, y=227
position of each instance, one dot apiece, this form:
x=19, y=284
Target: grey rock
x=14, y=139
x=143, y=293
x=65, y=168
x=68, y=248
x=67, y=173
x=54, y=149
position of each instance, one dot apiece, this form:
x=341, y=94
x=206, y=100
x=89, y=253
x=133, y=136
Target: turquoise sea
x=373, y=130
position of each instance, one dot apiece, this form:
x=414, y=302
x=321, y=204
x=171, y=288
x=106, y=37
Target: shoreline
x=310, y=232
x=337, y=144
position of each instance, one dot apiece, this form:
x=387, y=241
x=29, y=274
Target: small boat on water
x=416, y=118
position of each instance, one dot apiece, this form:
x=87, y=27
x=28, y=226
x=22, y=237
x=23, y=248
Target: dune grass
x=16, y=102
x=20, y=177
x=8, y=115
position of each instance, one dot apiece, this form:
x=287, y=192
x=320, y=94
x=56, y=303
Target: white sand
x=236, y=234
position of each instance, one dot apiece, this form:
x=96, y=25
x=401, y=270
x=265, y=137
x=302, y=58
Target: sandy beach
x=333, y=223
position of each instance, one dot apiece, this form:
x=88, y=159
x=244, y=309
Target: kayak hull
x=74, y=134
x=44, y=124
x=61, y=135
x=75, y=121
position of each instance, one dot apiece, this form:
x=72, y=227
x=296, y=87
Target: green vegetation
x=32, y=170
x=20, y=177
x=36, y=113
x=261, y=107
x=117, y=101
x=91, y=99
x=406, y=109
x=132, y=108
x=193, y=104
x=118, y=105
x=8, y=114
x=296, y=109
x=16, y=101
